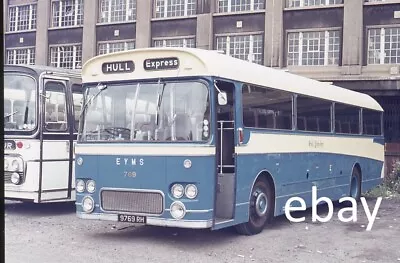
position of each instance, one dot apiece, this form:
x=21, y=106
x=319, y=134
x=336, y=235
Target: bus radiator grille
x=132, y=201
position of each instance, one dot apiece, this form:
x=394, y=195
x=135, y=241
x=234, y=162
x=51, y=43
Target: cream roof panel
x=200, y=62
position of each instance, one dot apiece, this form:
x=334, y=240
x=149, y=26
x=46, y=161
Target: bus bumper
x=21, y=195
x=154, y=221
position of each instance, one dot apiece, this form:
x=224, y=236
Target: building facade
x=351, y=43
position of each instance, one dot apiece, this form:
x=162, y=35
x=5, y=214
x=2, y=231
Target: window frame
x=185, y=40
x=230, y=4
x=299, y=36
x=227, y=39
x=382, y=43
x=172, y=9
x=29, y=53
x=66, y=114
x=74, y=59
x=109, y=13
x=32, y=16
x=126, y=42
x=59, y=20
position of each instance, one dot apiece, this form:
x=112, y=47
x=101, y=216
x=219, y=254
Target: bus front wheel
x=260, y=210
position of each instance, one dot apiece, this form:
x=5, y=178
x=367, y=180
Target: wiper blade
x=159, y=101
x=99, y=86
x=11, y=114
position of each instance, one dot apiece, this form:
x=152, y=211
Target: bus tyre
x=261, y=209
x=355, y=185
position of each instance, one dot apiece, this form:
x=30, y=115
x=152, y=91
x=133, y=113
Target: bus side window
x=55, y=107
x=77, y=98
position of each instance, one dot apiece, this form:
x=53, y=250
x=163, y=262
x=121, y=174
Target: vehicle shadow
x=192, y=238
x=33, y=209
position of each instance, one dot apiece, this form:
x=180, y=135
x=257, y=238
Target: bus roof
x=142, y=64
x=39, y=69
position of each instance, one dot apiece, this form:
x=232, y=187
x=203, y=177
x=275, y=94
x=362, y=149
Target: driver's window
x=55, y=107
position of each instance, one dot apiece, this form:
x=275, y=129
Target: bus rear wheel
x=260, y=210
x=355, y=184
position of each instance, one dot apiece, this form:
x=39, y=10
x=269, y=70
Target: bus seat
x=183, y=126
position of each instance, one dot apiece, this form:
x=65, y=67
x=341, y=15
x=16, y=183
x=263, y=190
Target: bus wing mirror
x=222, y=98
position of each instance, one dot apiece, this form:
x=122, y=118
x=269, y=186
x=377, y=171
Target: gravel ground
x=52, y=233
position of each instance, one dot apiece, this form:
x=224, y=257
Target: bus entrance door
x=225, y=189
x=55, y=159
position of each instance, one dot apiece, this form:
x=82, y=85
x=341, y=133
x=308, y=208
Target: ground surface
x=52, y=233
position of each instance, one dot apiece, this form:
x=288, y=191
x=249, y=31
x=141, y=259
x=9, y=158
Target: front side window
x=112, y=11
x=319, y=48
x=146, y=112
x=227, y=6
x=245, y=47
x=22, y=17
x=174, y=8
x=175, y=42
x=384, y=45
x=19, y=102
x=68, y=56
x=301, y=3
x=111, y=47
x=67, y=13
x=55, y=107
x=16, y=56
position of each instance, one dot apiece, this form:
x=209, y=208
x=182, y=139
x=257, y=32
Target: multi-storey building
x=351, y=43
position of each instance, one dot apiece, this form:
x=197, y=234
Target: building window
x=67, y=13
x=111, y=47
x=22, y=17
x=17, y=56
x=313, y=48
x=245, y=47
x=384, y=46
x=112, y=11
x=173, y=8
x=175, y=42
x=68, y=56
x=226, y=6
x=301, y=3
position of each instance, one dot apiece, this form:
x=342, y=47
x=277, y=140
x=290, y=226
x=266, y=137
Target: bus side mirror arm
x=222, y=97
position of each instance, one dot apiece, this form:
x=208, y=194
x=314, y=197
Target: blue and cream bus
x=41, y=117
x=196, y=139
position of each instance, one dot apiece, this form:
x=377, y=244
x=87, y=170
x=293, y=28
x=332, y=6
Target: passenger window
x=313, y=114
x=266, y=108
x=347, y=119
x=77, y=97
x=55, y=107
x=372, y=124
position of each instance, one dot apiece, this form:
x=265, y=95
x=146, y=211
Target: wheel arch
x=267, y=176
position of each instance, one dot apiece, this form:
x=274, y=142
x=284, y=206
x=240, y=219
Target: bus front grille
x=7, y=177
x=132, y=201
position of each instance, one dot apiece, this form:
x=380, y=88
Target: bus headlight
x=87, y=204
x=80, y=186
x=15, y=178
x=6, y=164
x=191, y=191
x=177, y=210
x=177, y=190
x=90, y=186
x=15, y=165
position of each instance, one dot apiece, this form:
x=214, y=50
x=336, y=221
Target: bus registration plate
x=132, y=219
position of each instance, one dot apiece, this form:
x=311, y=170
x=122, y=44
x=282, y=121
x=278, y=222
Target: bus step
x=220, y=220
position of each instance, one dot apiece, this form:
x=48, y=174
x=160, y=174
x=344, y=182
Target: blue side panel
x=294, y=175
